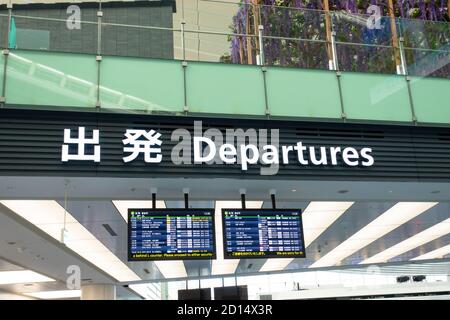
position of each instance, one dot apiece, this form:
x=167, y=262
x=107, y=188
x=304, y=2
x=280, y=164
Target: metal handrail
x=261, y=36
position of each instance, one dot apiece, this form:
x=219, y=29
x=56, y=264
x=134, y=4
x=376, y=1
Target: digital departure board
x=263, y=233
x=168, y=234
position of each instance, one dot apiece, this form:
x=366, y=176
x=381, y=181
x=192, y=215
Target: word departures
x=237, y=147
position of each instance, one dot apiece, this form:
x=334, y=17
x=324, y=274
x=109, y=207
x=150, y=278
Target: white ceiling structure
x=346, y=224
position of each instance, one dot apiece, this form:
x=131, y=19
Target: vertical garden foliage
x=296, y=34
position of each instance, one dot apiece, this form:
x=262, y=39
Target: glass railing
x=426, y=47
x=236, y=33
x=381, y=70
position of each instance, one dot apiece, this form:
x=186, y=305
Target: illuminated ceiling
x=352, y=230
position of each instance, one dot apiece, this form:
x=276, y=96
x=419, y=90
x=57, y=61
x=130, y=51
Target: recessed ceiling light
x=172, y=268
x=22, y=276
x=276, y=264
x=62, y=294
x=438, y=253
x=427, y=235
x=51, y=218
x=294, y=190
x=149, y=291
x=342, y=191
x=317, y=217
x=397, y=215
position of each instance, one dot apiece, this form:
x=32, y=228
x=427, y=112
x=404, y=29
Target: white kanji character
x=81, y=141
x=142, y=146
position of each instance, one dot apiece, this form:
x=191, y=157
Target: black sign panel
x=263, y=233
x=31, y=144
x=169, y=234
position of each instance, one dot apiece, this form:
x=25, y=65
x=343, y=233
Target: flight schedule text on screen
x=164, y=234
x=263, y=233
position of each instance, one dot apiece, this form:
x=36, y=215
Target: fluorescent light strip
x=172, y=268
x=430, y=234
x=62, y=294
x=319, y=215
x=123, y=205
x=397, y=215
x=276, y=264
x=435, y=254
x=316, y=218
x=169, y=269
x=221, y=265
x=22, y=276
x=145, y=291
x=48, y=216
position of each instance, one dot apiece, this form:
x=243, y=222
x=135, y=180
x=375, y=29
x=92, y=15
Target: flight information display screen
x=167, y=234
x=263, y=233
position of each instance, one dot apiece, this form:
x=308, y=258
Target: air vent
x=444, y=136
x=110, y=230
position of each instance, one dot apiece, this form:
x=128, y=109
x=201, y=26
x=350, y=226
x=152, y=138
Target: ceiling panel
x=7, y=266
x=428, y=247
x=354, y=219
x=436, y=214
x=94, y=213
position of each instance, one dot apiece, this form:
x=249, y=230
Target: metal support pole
x=266, y=99
x=328, y=29
x=402, y=56
x=341, y=97
x=335, y=63
x=6, y=55
x=186, y=197
x=154, y=200
x=99, y=54
x=274, y=203
x=391, y=12
x=334, y=51
x=183, y=48
x=404, y=71
x=261, y=45
x=242, y=192
x=186, y=201
x=411, y=100
x=184, y=63
x=153, y=191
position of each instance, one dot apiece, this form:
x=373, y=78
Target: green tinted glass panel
x=431, y=97
x=303, y=93
x=2, y=66
x=52, y=79
x=375, y=97
x=141, y=84
x=3, y=29
x=225, y=89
